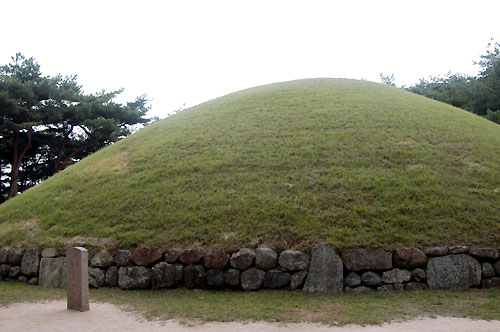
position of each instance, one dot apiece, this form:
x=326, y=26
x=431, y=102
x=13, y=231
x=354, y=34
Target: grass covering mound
x=287, y=165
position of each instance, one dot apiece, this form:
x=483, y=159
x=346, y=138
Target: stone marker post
x=77, y=279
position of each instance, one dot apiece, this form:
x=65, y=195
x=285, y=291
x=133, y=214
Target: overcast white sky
x=188, y=52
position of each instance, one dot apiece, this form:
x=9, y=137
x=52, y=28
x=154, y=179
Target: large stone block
x=485, y=253
x=123, y=258
x=326, y=271
x=352, y=280
x=179, y=274
x=265, y=258
x=172, y=255
x=371, y=279
x=409, y=258
x=367, y=259
x=398, y=286
x=232, y=277
x=97, y=277
x=49, y=253
x=15, y=256
x=294, y=260
x=298, y=279
x=276, y=278
x=195, y=276
x=30, y=262
x=216, y=259
x=146, y=256
x=496, y=266
x=419, y=275
x=455, y=250
x=453, y=271
x=4, y=254
x=242, y=259
x=436, y=251
x=190, y=256
x=487, y=270
x=4, y=270
x=14, y=272
x=134, y=277
x=111, y=278
x=163, y=275
x=385, y=288
x=102, y=259
x=215, y=278
x=52, y=272
x=396, y=275
x=252, y=279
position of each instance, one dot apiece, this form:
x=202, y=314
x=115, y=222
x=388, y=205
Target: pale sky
x=189, y=52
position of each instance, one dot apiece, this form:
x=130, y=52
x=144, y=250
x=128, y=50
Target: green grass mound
x=287, y=165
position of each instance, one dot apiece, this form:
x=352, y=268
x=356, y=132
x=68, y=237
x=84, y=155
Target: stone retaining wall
x=322, y=270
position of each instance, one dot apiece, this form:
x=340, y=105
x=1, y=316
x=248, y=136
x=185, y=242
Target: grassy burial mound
x=287, y=165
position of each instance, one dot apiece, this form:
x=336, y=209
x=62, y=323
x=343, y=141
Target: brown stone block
x=146, y=256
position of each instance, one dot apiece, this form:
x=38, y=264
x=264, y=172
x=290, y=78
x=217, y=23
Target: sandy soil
x=53, y=316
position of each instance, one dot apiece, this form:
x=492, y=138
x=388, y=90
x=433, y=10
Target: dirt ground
x=53, y=316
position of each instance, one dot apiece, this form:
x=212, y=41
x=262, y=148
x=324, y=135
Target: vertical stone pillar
x=77, y=279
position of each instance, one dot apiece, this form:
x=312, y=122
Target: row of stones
x=250, y=269
x=128, y=268
x=416, y=269
x=395, y=279
x=165, y=275
x=185, y=268
x=15, y=263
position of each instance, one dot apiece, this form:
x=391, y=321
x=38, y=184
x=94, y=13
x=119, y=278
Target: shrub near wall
x=322, y=270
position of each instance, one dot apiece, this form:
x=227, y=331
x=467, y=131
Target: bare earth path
x=53, y=316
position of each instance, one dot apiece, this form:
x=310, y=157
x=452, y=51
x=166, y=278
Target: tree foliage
x=388, y=79
x=479, y=94
x=46, y=123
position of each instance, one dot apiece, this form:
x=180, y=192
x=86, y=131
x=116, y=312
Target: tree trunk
x=65, y=161
x=59, y=154
x=16, y=163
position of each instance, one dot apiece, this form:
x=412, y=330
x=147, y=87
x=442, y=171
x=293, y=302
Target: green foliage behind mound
x=287, y=165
